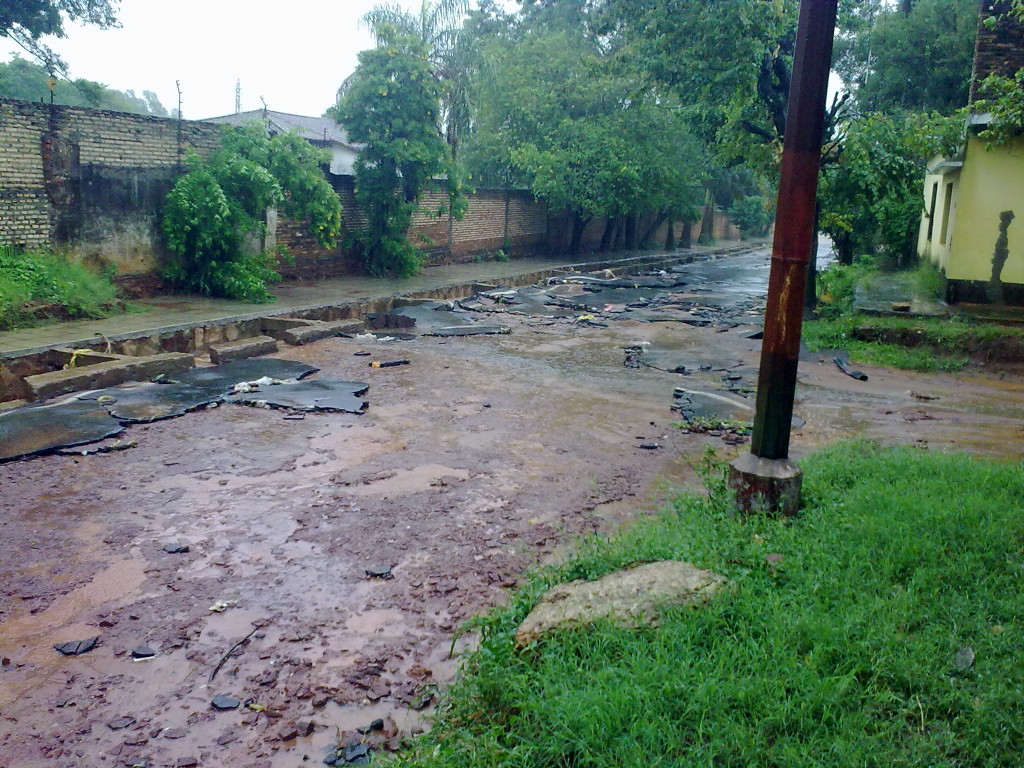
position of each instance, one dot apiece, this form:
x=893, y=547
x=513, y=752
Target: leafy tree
x=438, y=26
x=871, y=199
x=391, y=107
x=557, y=115
x=915, y=56
x=1004, y=101
x=26, y=21
x=21, y=79
x=220, y=204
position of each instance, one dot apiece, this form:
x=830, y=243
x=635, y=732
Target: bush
x=36, y=284
x=753, y=215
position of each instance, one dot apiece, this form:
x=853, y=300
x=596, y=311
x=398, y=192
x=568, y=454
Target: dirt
x=483, y=457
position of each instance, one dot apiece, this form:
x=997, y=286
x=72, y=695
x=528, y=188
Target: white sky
x=294, y=54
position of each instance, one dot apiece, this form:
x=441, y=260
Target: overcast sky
x=294, y=54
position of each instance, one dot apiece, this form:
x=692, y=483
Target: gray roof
x=319, y=129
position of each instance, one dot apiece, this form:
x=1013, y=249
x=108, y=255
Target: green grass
x=928, y=344
x=844, y=654
x=35, y=280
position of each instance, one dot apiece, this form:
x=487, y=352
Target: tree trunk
x=631, y=232
x=686, y=237
x=645, y=241
x=608, y=235
x=670, y=236
x=578, y=225
x=844, y=249
x=620, y=233
x=707, y=224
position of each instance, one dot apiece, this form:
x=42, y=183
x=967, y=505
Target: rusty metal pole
x=765, y=478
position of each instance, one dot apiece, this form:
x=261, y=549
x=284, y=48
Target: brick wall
x=999, y=46
x=90, y=181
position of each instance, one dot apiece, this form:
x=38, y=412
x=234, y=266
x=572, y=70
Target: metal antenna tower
x=238, y=96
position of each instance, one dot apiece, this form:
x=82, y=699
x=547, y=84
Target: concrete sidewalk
x=166, y=313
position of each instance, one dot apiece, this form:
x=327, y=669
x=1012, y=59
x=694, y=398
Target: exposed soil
x=483, y=457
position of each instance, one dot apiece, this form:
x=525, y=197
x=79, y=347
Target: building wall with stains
x=991, y=182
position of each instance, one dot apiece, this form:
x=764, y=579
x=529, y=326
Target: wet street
x=320, y=567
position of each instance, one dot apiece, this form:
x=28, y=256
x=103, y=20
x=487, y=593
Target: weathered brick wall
x=24, y=208
x=999, y=46
x=91, y=181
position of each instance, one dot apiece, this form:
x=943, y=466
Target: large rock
x=631, y=597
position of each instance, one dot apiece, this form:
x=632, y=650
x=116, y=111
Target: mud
x=486, y=455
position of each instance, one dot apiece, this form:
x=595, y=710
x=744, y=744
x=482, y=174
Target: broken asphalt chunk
x=121, y=723
x=319, y=395
x=225, y=702
x=380, y=572
x=175, y=548
x=143, y=652
x=844, y=366
x=221, y=379
x=39, y=429
x=137, y=403
x=469, y=330
x=77, y=647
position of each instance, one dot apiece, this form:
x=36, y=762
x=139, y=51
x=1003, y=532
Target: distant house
x=971, y=200
x=321, y=131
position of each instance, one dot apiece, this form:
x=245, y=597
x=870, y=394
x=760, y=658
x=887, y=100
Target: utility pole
x=765, y=479
x=238, y=95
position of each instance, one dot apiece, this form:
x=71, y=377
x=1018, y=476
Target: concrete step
x=254, y=346
x=298, y=330
x=108, y=372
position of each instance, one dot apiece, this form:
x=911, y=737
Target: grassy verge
x=888, y=635
x=36, y=286
x=913, y=343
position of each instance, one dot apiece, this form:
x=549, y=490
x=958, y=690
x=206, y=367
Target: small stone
x=380, y=572
x=77, y=647
x=964, y=659
x=174, y=733
x=143, y=652
x=376, y=725
x=121, y=723
x=773, y=558
x=225, y=702
x=358, y=754
x=175, y=548
x=649, y=446
x=287, y=733
x=187, y=762
x=227, y=737
x=305, y=728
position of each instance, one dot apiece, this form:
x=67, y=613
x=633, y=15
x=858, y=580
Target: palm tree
x=439, y=26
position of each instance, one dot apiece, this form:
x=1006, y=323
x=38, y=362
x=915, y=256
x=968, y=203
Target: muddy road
x=482, y=457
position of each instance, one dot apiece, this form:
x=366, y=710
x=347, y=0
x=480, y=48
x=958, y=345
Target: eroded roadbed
x=318, y=568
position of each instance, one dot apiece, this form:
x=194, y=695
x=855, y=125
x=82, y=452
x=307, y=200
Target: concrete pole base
x=767, y=486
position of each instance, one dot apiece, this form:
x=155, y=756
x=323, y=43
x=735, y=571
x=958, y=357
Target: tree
x=26, y=21
x=912, y=57
x=558, y=116
x=871, y=198
x=391, y=107
x=21, y=79
x=221, y=203
x=438, y=26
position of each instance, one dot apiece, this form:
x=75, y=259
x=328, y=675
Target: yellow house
x=971, y=201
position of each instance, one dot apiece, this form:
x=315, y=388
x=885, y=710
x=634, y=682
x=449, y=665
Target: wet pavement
x=249, y=548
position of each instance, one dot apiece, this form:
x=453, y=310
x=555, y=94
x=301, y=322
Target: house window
x=931, y=211
x=946, y=204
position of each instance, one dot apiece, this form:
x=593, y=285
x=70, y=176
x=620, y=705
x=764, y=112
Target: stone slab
x=316, y=330
x=629, y=598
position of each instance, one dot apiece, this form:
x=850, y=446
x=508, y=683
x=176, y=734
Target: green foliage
x=1004, y=101
x=36, y=283
x=847, y=651
x=558, y=115
x=25, y=80
x=871, y=199
x=838, y=284
x=218, y=207
x=753, y=215
x=391, y=107
x=919, y=61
